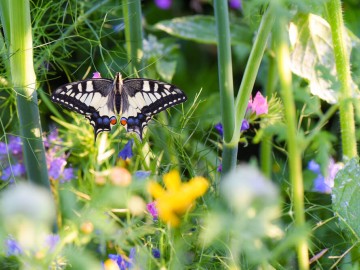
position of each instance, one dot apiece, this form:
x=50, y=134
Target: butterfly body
x=102, y=100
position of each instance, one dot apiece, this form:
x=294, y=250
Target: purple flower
x=13, y=171
x=163, y=4
x=123, y=263
x=156, y=253
x=219, y=168
x=324, y=184
x=314, y=167
x=52, y=138
x=259, y=104
x=67, y=175
x=96, y=75
x=14, y=146
x=219, y=128
x=3, y=148
x=235, y=4
x=52, y=240
x=56, y=167
x=245, y=125
x=151, y=207
x=126, y=152
x=12, y=247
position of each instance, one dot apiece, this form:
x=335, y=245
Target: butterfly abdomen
x=117, y=102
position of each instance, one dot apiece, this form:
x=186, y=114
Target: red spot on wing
x=123, y=121
x=113, y=120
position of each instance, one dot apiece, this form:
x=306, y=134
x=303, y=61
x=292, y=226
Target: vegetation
x=259, y=169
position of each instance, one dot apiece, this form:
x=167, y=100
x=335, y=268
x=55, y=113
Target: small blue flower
x=121, y=262
x=324, y=184
x=126, y=152
x=142, y=174
x=53, y=138
x=12, y=247
x=314, y=167
x=219, y=128
x=67, y=175
x=3, y=149
x=15, y=145
x=156, y=253
x=57, y=166
x=245, y=125
x=13, y=171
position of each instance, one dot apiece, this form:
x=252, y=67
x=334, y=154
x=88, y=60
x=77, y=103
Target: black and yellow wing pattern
x=103, y=100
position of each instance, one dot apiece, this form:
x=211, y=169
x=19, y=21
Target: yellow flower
x=110, y=265
x=178, y=197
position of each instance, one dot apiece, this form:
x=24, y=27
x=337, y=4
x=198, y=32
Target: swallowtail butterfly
x=135, y=100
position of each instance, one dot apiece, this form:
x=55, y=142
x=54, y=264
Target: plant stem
x=266, y=144
x=225, y=84
x=133, y=35
x=251, y=71
x=294, y=151
x=24, y=82
x=346, y=107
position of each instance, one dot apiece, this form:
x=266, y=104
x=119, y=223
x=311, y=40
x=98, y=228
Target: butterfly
x=101, y=100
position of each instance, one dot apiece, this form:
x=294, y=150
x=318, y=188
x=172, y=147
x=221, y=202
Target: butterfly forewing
x=143, y=98
x=80, y=96
x=137, y=100
x=91, y=98
x=150, y=96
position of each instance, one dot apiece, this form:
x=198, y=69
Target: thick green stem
x=293, y=148
x=24, y=83
x=346, y=107
x=251, y=71
x=133, y=35
x=225, y=84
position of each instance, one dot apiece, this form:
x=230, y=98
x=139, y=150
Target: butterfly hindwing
x=136, y=100
x=143, y=98
x=92, y=98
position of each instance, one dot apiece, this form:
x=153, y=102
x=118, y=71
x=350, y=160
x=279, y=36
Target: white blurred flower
x=251, y=218
x=27, y=212
x=245, y=187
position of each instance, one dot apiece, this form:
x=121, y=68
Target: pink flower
x=249, y=106
x=235, y=4
x=259, y=104
x=163, y=4
x=96, y=75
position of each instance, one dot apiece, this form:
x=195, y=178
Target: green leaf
x=313, y=55
x=202, y=29
x=166, y=69
x=346, y=196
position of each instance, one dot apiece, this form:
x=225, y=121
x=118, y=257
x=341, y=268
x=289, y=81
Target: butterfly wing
x=143, y=98
x=92, y=98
